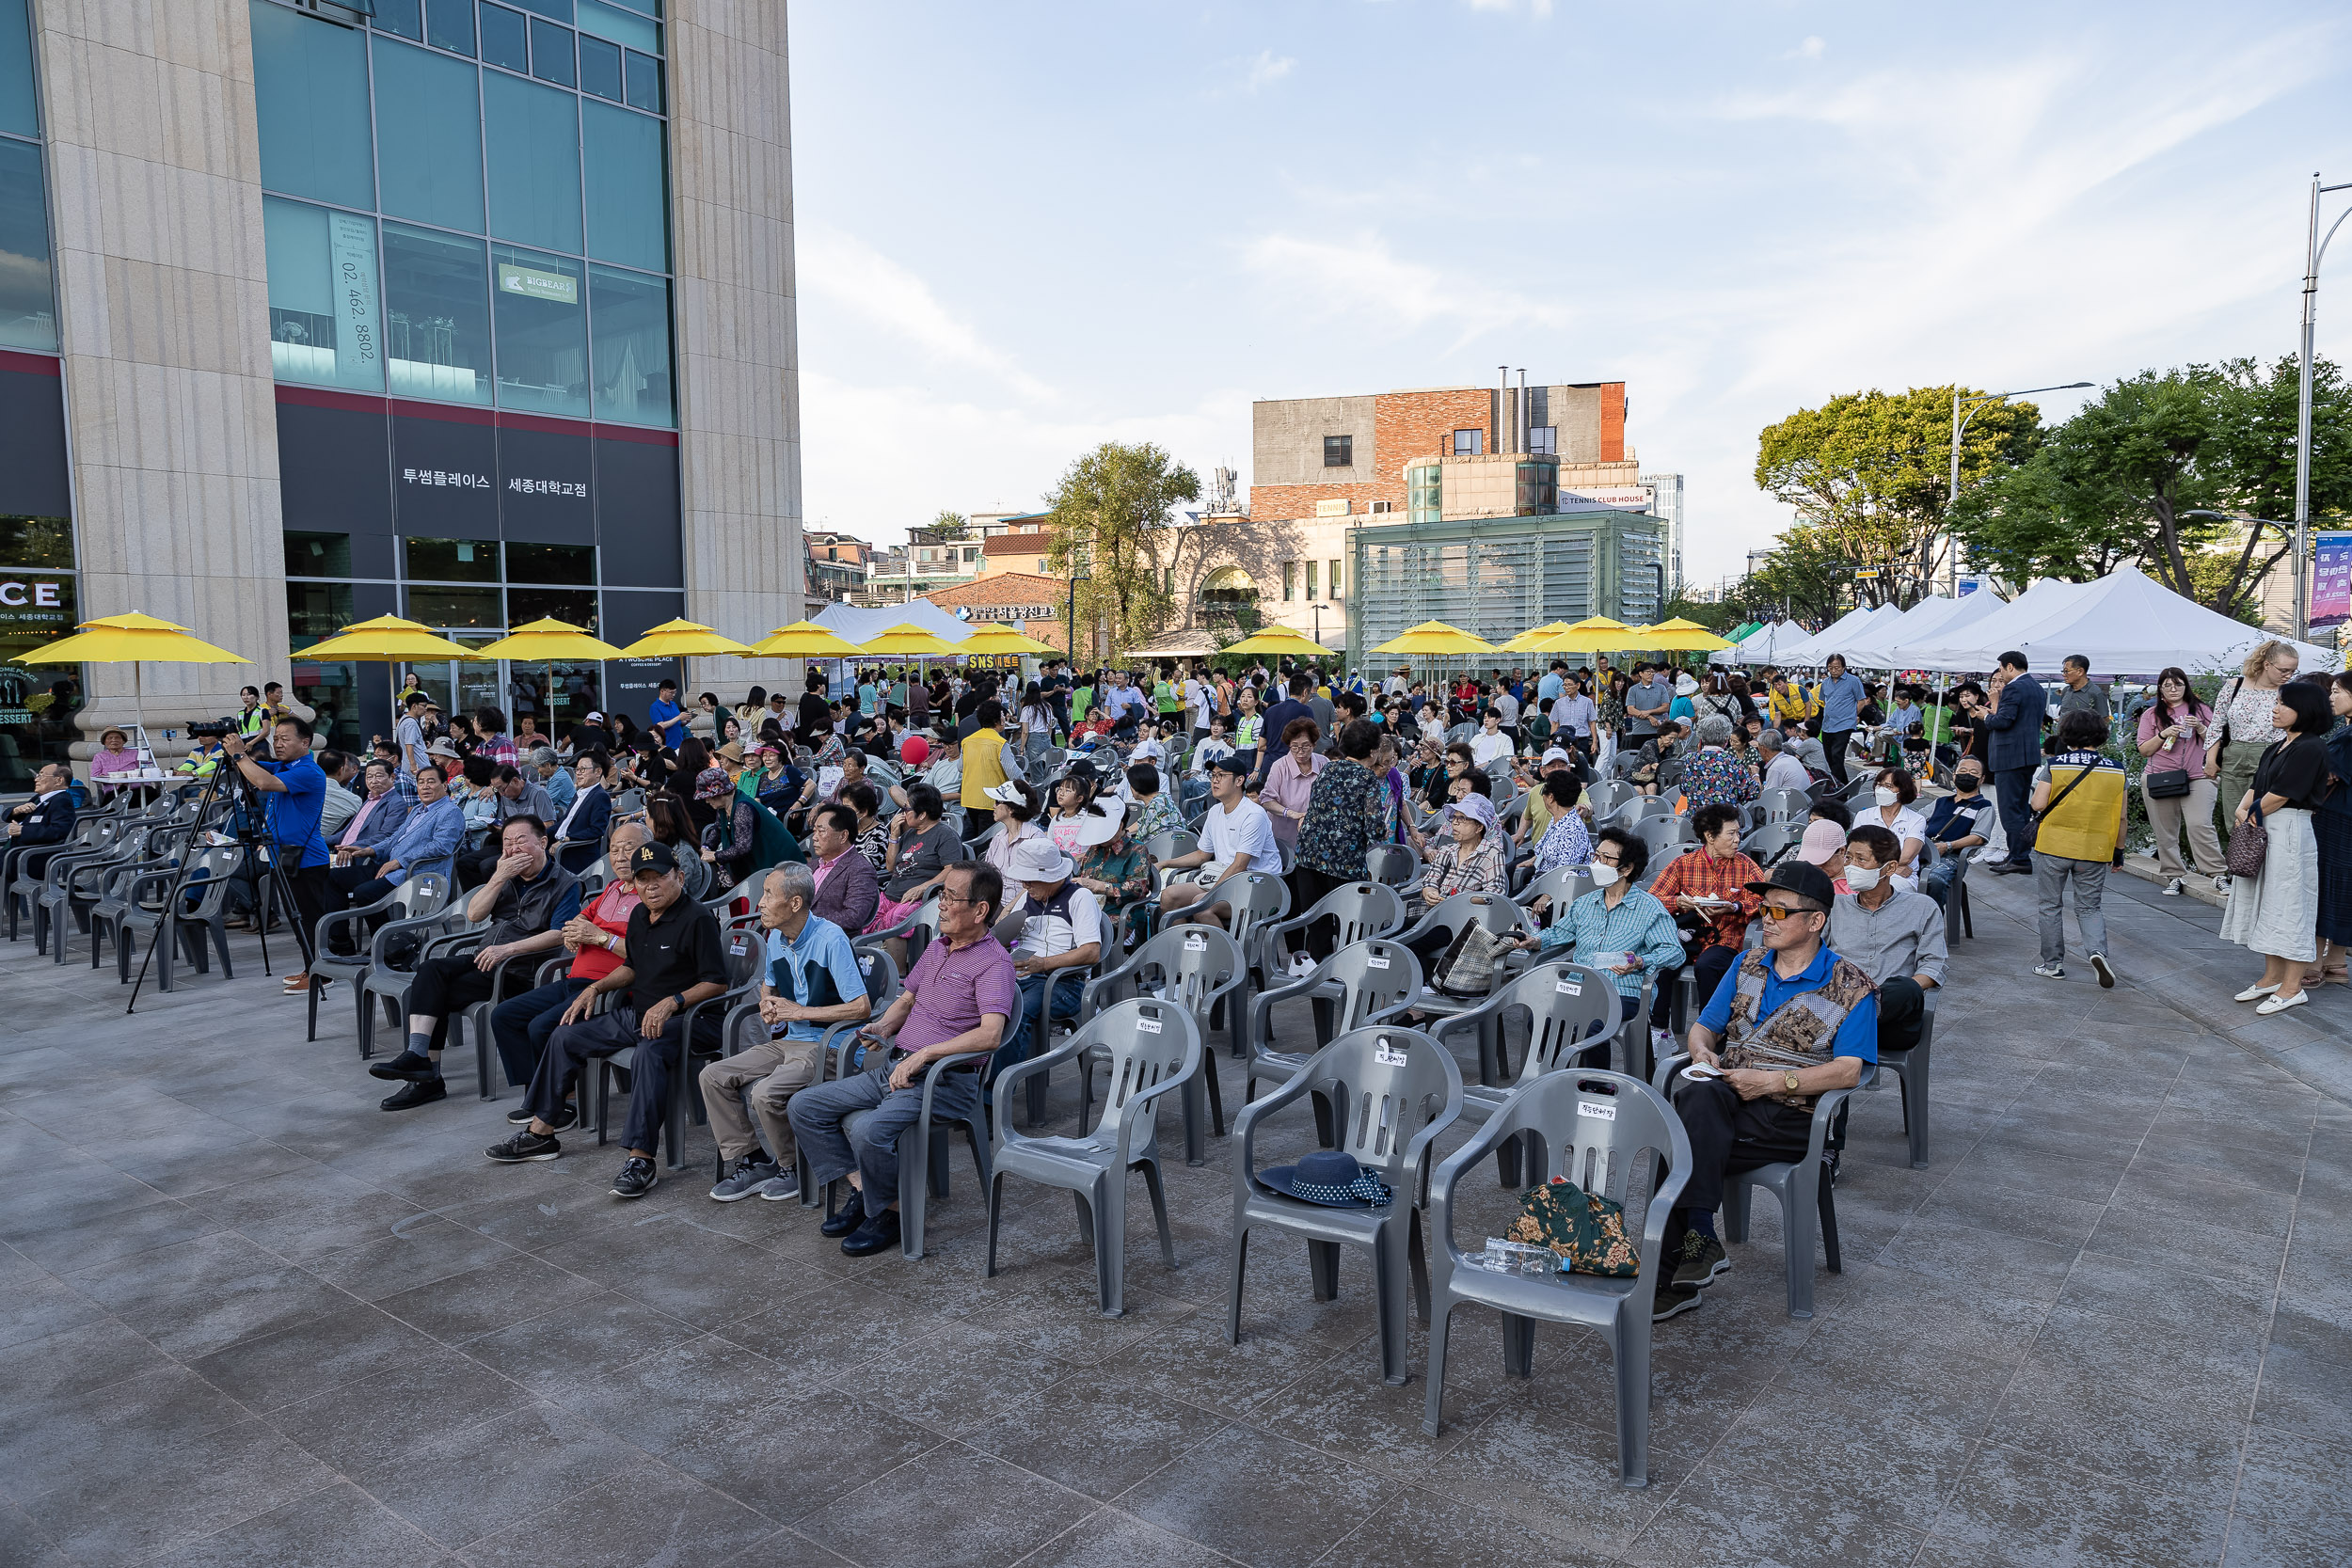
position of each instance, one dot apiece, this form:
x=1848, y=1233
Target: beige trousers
x=773, y=1072
x=2165, y=817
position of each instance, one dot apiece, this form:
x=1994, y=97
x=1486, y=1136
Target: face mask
x=1966, y=783
x=1885, y=796
x=1862, y=879
x=1603, y=876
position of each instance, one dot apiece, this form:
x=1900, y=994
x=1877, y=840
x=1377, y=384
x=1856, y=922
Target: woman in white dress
x=2274, y=912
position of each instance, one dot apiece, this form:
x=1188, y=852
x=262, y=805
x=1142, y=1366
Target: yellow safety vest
x=2083, y=827
x=983, y=768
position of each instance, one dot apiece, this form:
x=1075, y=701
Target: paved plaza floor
x=251, y=1321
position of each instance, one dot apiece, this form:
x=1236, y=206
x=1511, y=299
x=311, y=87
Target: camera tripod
x=249, y=816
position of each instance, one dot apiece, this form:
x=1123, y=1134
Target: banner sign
x=2331, y=580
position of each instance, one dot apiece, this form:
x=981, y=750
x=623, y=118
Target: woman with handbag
x=2332, y=825
x=2242, y=723
x=2274, y=855
x=2172, y=731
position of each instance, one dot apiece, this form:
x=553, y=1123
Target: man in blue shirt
x=426, y=842
x=1840, y=696
x=664, y=717
x=1548, y=689
x=1789, y=1023
x=813, y=982
x=295, y=792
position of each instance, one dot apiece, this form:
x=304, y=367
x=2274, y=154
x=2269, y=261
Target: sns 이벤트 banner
x=2331, y=580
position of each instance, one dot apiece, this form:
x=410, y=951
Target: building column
x=164, y=318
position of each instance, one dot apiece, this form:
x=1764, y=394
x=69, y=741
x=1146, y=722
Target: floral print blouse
x=1120, y=861
x=1346, y=815
x=1715, y=777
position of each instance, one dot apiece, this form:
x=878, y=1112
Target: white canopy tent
x=1841, y=635
x=2125, y=624
x=1762, y=646
x=1935, y=619
x=864, y=625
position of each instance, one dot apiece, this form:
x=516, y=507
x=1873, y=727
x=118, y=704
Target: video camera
x=210, y=729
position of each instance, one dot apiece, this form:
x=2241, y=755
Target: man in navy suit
x=48, y=816
x=2016, y=747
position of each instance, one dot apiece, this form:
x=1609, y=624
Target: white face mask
x=1861, y=879
x=1603, y=876
x=1885, y=796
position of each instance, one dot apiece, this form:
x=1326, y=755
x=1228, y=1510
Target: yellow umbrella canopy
x=1434, y=639
x=390, y=638
x=1000, y=639
x=1593, y=635
x=1533, y=639
x=682, y=640
x=1677, y=636
x=905, y=640
x=546, y=640
x=1278, y=640
x=131, y=639
x=804, y=639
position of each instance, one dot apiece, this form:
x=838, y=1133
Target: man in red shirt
x=597, y=937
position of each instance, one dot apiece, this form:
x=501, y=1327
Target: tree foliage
x=951, y=525
x=2122, y=478
x=1870, y=474
x=1109, y=514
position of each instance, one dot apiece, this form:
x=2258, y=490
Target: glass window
x=505, y=38
x=455, y=607
x=19, y=115
x=541, y=332
x=1543, y=439
x=316, y=610
x=404, y=17
x=533, y=136
x=310, y=96
x=577, y=605
x=644, y=81
x=551, y=53
x=620, y=26
x=560, y=9
x=1290, y=580
x=323, y=325
x=451, y=561
x=651, y=8
x=437, y=316
x=1469, y=443
x=428, y=127
x=1310, y=583
x=1339, y=451
x=28, y=315
x=600, y=68
x=1335, y=579
x=37, y=542
x=632, y=315
x=560, y=563
x=318, y=555
x=628, y=198
x=448, y=24
x=1425, y=492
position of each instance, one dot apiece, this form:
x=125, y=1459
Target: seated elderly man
x=425, y=842
x=813, y=980
x=1062, y=936
x=675, y=961
x=958, y=998
x=1782, y=770
x=1791, y=1022
x=597, y=937
x=1895, y=938
x=47, y=819
x=848, y=890
x=527, y=900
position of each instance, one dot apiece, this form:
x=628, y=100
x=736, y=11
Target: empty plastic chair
x=1563, y=885
x=424, y=893
x=1910, y=1068
x=1397, y=1089
x=1356, y=987
x=1602, y=1130
x=1154, y=1048
x=1396, y=865
x=1571, y=1011
x=1358, y=910
x=1198, y=968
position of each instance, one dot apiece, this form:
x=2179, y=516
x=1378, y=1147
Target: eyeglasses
x=1785, y=912
x=947, y=898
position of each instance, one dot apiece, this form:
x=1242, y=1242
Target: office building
x=468, y=313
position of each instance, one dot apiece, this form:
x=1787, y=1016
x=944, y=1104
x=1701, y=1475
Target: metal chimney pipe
x=1525, y=423
x=1503, y=411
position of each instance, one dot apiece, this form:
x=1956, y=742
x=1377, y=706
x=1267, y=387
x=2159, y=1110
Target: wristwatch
x=1789, y=1080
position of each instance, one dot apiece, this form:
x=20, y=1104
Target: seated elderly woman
x=115, y=754
x=1715, y=775
x=1618, y=926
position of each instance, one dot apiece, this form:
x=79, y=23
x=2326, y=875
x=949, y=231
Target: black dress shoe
x=848, y=1217
x=876, y=1235
x=409, y=1095
x=408, y=1066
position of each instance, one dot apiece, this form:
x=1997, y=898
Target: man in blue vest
x=2016, y=724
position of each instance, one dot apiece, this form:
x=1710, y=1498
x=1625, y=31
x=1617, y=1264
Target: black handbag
x=2168, y=783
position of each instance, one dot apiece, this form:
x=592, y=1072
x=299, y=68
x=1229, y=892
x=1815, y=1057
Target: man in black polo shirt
x=527, y=899
x=675, y=961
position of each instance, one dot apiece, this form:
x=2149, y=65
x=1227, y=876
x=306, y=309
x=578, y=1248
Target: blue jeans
x=1029, y=1037
x=817, y=1111
x=1936, y=880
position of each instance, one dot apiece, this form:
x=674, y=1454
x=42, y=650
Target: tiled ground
x=248, y=1320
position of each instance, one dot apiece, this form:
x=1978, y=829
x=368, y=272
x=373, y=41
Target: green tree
x=1869, y=475
x=1109, y=514
x=951, y=525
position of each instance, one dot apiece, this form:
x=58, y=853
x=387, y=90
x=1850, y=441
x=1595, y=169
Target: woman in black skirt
x=2332, y=823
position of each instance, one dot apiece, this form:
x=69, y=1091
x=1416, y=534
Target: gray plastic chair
x=444, y=933
x=1910, y=1068
x=504, y=987
x=1768, y=843
x=1396, y=865
x=1606, y=798
x=1493, y=911
x=1252, y=899
x=1360, y=985
x=1640, y=809
x=72, y=886
x=424, y=893
x=1394, y=1112
x=1606, y=1132
x=202, y=913
x=1958, y=916
x=1199, y=969
x=1805, y=1197
x=1570, y=1010
x=30, y=866
x=1663, y=838
x=744, y=1027
x=923, y=1147
x=126, y=886
x=1785, y=805
x=1154, y=1048
x=1361, y=910
x=917, y=930
x=1563, y=885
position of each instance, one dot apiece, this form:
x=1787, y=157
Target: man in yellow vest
x=988, y=761
x=2079, y=794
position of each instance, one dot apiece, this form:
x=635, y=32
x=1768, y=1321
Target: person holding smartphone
x=2173, y=730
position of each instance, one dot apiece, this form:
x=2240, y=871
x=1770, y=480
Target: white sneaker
x=2106, y=971
x=2221, y=884
x=2051, y=970
x=2172, y=888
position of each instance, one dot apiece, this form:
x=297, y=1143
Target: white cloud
x=1811, y=49
x=1267, y=69
x=849, y=274
x=1534, y=8
x=1362, y=280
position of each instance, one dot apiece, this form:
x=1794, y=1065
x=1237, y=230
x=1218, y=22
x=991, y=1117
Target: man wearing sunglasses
x=1787, y=1025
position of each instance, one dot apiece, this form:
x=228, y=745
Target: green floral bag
x=1588, y=1231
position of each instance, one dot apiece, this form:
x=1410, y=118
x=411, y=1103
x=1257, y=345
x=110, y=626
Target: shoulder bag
x=2249, y=845
x=2168, y=783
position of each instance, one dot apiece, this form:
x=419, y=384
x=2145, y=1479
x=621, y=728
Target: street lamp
x=2314, y=248
x=1963, y=411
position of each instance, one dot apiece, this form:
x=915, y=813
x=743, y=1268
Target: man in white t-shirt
x=1061, y=937
x=1199, y=702
x=1237, y=835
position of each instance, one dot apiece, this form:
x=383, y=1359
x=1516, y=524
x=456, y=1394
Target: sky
x=1023, y=228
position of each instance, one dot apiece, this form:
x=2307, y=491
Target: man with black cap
x=1789, y=1023
x=675, y=959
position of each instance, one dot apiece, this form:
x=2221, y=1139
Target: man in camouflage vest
x=1787, y=1025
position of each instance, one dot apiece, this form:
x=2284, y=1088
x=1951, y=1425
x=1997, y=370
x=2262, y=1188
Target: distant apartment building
x=836, y=567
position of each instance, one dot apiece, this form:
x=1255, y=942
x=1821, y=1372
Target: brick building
x=1031, y=605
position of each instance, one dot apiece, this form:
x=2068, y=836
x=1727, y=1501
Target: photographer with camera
x=295, y=791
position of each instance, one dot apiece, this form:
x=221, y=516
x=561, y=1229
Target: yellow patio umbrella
x=1434, y=640
x=1676, y=636
x=543, y=642
x=1001, y=639
x=682, y=640
x=387, y=638
x=906, y=640
x=1593, y=635
x=131, y=639
x=1278, y=640
x=802, y=640
x=1534, y=638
